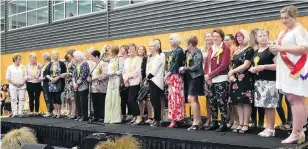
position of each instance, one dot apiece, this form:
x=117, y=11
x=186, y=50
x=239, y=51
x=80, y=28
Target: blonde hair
x=17, y=137
x=291, y=10
x=124, y=142
x=206, y=45
x=253, y=38
x=31, y=55
x=156, y=44
x=47, y=57
x=176, y=38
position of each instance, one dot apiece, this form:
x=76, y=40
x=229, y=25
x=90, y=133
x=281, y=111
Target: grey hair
x=246, y=36
x=47, y=57
x=156, y=44
x=78, y=55
x=176, y=38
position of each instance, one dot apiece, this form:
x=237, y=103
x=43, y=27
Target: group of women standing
x=234, y=75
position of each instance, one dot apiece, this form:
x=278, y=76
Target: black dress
x=242, y=89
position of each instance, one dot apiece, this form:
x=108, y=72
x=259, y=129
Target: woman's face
x=189, y=46
x=4, y=87
x=171, y=42
x=287, y=20
x=240, y=39
x=55, y=56
x=228, y=41
x=216, y=38
x=141, y=52
x=123, y=51
x=208, y=38
x=33, y=59
x=18, y=60
x=152, y=48
x=262, y=37
x=132, y=51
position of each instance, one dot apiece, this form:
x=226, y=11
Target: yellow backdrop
x=274, y=28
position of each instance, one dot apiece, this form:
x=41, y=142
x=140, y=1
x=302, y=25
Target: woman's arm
x=224, y=63
x=137, y=71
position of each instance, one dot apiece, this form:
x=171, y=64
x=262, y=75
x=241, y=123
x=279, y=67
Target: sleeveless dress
x=297, y=86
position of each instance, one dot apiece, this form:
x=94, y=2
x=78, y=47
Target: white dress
x=286, y=84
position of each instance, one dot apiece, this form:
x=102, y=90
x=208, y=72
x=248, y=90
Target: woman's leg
x=37, y=95
x=195, y=109
x=155, y=100
x=78, y=104
x=102, y=106
x=298, y=106
x=254, y=115
x=270, y=118
x=132, y=100
x=240, y=112
x=247, y=113
x=289, y=118
x=280, y=110
x=208, y=112
x=21, y=101
x=31, y=99
x=96, y=106
x=261, y=113
x=141, y=107
x=84, y=101
x=149, y=109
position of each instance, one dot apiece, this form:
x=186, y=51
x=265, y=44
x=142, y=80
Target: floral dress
x=69, y=88
x=55, y=71
x=242, y=89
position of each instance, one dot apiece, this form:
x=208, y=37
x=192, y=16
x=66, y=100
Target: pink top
x=33, y=73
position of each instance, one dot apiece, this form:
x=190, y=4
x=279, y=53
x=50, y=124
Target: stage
x=70, y=133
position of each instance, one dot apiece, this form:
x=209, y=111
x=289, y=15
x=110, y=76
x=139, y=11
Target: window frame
x=78, y=15
x=130, y=4
x=26, y=12
x=3, y=4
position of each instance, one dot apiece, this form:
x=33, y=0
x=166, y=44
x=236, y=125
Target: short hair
x=253, y=37
x=90, y=50
x=243, y=33
x=115, y=50
x=71, y=51
x=291, y=10
x=125, y=47
x=78, y=55
x=96, y=53
x=193, y=40
x=47, y=57
x=54, y=52
x=66, y=57
x=17, y=137
x=263, y=31
x=231, y=36
x=127, y=142
x=159, y=50
x=176, y=38
x=16, y=56
x=156, y=44
x=220, y=32
x=105, y=48
x=32, y=55
x=144, y=50
x=132, y=45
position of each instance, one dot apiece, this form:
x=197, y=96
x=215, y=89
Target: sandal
x=195, y=127
x=244, y=130
x=267, y=133
x=235, y=125
x=239, y=127
x=148, y=121
x=287, y=126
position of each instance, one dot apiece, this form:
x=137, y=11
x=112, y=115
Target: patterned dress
x=100, y=85
x=242, y=89
x=55, y=71
x=69, y=88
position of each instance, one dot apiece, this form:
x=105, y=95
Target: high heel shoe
x=244, y=130
x=172, y=125
x=239, y=127
x=293, y=139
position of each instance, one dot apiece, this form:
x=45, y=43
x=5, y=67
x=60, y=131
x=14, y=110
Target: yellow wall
x=273, y=26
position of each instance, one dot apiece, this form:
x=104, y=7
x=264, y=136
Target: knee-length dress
x=242, y=89
x=113, y=98
x=296, y=85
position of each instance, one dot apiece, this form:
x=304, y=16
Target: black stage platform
x=69, y=133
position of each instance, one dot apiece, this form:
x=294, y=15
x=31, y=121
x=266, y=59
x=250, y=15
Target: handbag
x=143, y=93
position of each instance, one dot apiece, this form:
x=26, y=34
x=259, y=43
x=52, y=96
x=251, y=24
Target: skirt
x=196, y=86
x=266, y=95
x=176, y=99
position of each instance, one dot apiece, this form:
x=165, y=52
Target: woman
x=242, y=80
x=142, y=52
x=45, y=85
x=216, y=70
x=53, y=73
x=69, y=88
x=208, y=44
x=81, y=85
x=113, y=98
x=123, y=88
x=233, y=117
x=99, y=86
x=33, y=83
x=5, y=100
x=17, y=137
x=155, y=80
x=193, y=67
x=292, y=52
x=15, y=75
x=132, y=79
x=265, y=92
x=176, y=99
x=256, y=111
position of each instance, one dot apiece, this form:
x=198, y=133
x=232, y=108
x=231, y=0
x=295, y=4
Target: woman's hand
x=146, y=83
x=260, y=68
x=275, y=49
x=232, y=79
x=253, y=69
x=231, y=73
x=75, y=85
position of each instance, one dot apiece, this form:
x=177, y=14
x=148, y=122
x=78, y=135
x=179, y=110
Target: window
x=120, y=3
x=70, y=8
x=2, y=17
x=27, y=12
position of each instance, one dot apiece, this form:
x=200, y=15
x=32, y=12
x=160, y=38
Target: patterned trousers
x=218, y=99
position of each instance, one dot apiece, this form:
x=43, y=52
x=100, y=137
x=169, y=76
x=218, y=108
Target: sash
x=294, y=69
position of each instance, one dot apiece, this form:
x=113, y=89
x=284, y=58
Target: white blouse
x=296, y=37
x=155, y=66
x=132, y=70
x=16, y=74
